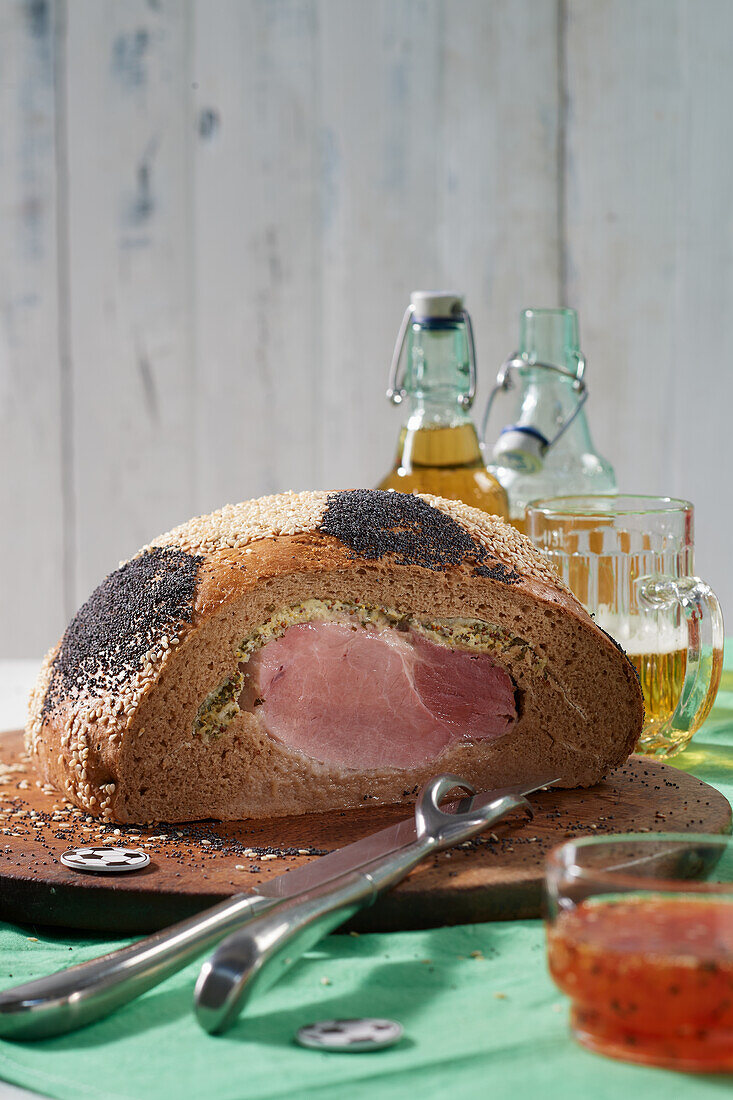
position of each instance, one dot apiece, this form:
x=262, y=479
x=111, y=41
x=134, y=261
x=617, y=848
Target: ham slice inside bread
x=365, y=698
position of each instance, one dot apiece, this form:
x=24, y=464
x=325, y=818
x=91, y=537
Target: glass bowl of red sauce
x=640, y=937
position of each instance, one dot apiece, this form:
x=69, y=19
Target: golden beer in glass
x=661, y=676
x=629, y=560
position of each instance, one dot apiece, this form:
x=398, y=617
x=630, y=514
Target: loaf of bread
x=311, y=651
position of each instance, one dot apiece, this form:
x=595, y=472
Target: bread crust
x=120, y=743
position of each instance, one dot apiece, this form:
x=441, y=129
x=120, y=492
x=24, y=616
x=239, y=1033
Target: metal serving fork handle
x=255, y=957
x=81, y=994
x=86, y=992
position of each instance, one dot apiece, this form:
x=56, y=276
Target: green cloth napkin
x=480, y=1013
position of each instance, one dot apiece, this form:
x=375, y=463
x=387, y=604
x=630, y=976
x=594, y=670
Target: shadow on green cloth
x=708, y=761
x=400, y=988
x=155, y=1009
x=721, y=716
x=397, y=987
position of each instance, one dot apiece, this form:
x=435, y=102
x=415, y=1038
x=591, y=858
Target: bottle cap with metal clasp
x=432, y=377
x=521, y=448
x=426, y=305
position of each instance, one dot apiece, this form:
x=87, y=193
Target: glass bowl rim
x=650, y=885
x=647, y=504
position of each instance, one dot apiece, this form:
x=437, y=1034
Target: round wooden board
x=497, y=877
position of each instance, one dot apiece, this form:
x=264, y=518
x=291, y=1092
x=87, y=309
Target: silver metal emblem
x=354, y=1036
x=105, y=859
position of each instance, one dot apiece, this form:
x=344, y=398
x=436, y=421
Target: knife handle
x=81, y=994
x=255, y=957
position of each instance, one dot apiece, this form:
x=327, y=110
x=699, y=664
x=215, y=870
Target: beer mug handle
x=704, y=618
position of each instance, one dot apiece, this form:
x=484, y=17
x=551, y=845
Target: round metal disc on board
x=105, y=859
x=351, y=1036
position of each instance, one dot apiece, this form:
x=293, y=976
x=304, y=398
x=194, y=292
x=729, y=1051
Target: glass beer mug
x=629, y=560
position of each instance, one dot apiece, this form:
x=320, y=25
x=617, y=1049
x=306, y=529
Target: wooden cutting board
x=495, y=877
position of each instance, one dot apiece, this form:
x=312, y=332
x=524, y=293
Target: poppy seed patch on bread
x=374, y=523
x=134, y=607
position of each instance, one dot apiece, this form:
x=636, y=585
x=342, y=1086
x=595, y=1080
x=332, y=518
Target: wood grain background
x=212, y=213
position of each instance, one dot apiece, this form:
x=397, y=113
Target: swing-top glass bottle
x=546, y=449
x=438, y=450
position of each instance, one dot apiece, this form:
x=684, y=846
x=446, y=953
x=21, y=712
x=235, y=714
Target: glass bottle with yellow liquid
x=438, y=450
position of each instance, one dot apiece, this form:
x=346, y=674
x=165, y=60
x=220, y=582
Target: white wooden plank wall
x=129, y=269
x=437, y=169
x=33, y=363
x=648, y=212
x=256, y=262
x=213, y=212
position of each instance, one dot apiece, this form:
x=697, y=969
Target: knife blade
x=375, y=846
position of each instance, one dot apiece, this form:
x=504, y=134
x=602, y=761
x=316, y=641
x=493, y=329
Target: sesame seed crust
x=236, y=526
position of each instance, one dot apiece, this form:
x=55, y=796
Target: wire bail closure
x=504, y=382
x=396, y=391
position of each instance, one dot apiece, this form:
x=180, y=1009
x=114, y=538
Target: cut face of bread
x=317, y=651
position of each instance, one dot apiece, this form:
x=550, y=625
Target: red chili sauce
x=651, y=978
